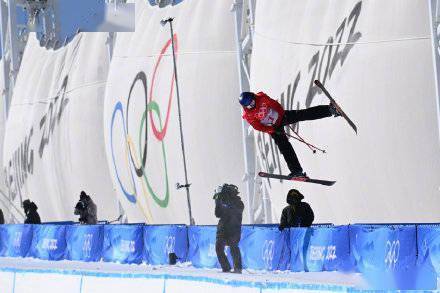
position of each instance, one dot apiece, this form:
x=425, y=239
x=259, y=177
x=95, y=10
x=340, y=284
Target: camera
x=81, y=206
x=223, y=191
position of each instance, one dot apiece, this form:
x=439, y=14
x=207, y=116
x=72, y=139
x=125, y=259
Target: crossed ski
x=333, y=102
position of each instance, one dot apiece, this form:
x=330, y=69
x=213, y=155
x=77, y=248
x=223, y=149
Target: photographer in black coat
x=229, y=208
x=2, y=218
x=30, y=210
x=86, y=209
x=297, y=213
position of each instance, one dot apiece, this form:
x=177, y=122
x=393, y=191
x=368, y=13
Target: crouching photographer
x=86, y=209
x=229, y=208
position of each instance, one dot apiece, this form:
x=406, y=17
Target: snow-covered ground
x=97, y=277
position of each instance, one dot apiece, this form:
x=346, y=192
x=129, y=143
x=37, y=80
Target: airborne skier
x=267, y=115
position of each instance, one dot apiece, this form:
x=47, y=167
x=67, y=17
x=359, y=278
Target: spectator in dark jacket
x=86, y=209
x=2, y=218
x=30, y=210
x=229, y=208
x=297, y=213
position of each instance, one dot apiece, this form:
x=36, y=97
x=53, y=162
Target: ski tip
x=262, y=174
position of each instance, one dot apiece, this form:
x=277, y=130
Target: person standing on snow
x=229, y=208
x=267, y=115
x=297, y=213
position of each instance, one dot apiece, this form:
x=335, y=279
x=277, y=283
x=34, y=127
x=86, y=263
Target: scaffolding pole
x=243, y=38
x=434, y=9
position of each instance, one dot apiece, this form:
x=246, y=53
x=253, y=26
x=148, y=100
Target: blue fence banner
x=265, y=248
x=387, y=256
x=391, y=256
x=384, y=248
x=428, y=241
x=161, y=240
x=15, y=240
x=48, y=242
x=319, y=249
x=298, y=250
x=428, y=257
x=84, y=242
x=123, y=243
x=60, y=223
x=201, y=251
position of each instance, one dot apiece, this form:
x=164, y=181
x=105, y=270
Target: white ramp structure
x=375, y=58
x=54, y=140
x=141, y=124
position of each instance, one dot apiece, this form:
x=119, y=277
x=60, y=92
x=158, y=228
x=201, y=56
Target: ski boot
x=297, y=174
x=334, y=110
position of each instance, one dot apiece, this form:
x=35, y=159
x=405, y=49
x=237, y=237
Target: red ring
x=161, y=134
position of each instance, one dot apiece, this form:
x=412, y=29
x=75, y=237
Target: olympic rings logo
x=17, y=239
x=392, y=252
x=170, y=243
x=87, y=245
x=136, y=165
x=268, y=253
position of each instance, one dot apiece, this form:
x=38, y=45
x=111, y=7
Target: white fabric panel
x=54, y=144
x=390, y=171
x=207, y=76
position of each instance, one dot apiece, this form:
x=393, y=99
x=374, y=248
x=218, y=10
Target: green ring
x=153, y=106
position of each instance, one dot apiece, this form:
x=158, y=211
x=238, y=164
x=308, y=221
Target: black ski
x=321, y=86
x=300, y=179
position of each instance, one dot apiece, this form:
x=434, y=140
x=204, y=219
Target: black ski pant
x=290, y=117
x=231, y=241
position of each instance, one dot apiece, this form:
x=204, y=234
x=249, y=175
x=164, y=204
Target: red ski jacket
x=266, y=115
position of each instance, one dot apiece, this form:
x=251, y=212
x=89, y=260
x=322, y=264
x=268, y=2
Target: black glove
x=83, y=219
x=278, y=131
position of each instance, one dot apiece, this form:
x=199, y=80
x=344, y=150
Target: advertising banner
x=123, y=243
x=84, y=242
x=48, y=242
x=15, y=240
x=161, y=240
x=320, y=249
